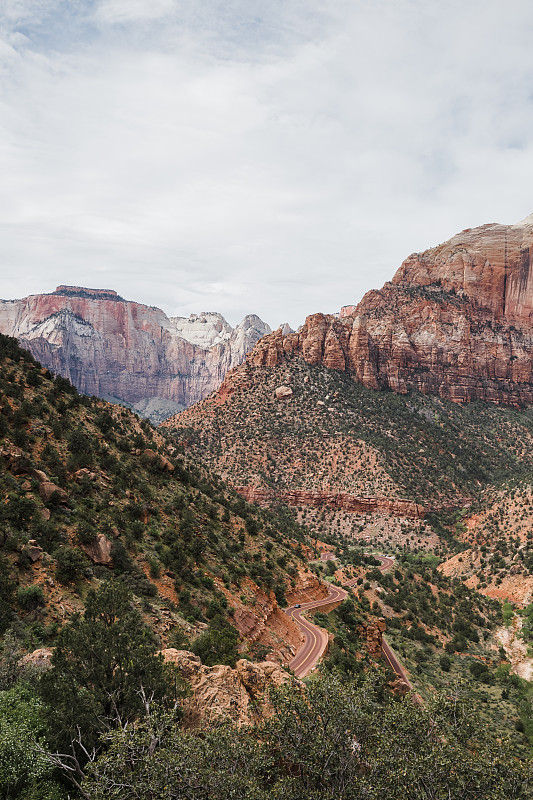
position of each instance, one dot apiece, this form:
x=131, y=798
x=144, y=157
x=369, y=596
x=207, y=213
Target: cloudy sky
x=279, y=157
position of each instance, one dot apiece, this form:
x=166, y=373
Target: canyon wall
x=114, y=348
x=455, y=321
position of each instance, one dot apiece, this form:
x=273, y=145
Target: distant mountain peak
x=111, y=347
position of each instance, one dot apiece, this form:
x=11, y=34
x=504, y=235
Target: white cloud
x=113, y=12
x=276, y=158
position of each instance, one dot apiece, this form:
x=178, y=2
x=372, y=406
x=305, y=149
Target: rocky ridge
x=455, y=321
x=332, y=500
x=122, y=350
x=218, y=693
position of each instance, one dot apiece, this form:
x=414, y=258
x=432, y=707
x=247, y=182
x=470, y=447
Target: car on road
x=298, y=605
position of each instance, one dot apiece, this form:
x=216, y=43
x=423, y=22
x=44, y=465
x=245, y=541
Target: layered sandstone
x=333, y=500
x=455, y=321
x=113, y=348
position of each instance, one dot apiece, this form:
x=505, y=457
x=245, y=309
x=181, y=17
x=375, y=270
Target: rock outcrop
x=333, y=500
x=220, y=692
x=99, y=550
x=372, y=632
x=117, y=349
x=455, y=321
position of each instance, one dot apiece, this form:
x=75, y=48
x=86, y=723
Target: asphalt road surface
x=316, y=639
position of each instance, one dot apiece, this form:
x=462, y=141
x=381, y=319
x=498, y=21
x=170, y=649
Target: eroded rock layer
x=333, y=500
x=113, y=348
x=455, y=321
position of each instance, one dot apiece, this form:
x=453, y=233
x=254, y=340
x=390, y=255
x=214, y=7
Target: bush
x=7, y=590
x=86, y=533
x=445, y=663
x=30, y=597
x=69, y=564
x=218, y=645
x=21, y=724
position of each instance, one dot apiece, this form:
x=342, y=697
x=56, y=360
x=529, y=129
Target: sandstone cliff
x=455, y=321
x=333, y=500
x=220, y=692
x=114, y=348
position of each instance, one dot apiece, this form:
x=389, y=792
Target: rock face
x=220, y=692
x=334, y=500
x=118, y=349
x=456, y=320
x=372, y=632
x=99, y=551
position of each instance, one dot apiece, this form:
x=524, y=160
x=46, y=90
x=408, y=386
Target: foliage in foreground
x=331, y=741
x=105, y=672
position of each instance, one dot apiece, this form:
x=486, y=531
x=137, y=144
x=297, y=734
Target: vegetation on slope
x=335, y=434
x=188, y=554
x=189, y=549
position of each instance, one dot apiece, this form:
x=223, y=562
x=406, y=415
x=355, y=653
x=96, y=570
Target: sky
x=277, y=157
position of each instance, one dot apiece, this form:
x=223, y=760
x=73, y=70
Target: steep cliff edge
x=455, y=321
x=110, y=347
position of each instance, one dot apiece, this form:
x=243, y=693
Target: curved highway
x=316, y=639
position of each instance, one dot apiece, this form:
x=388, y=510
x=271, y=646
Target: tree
x=218, y=645
x=105, y=673
x=21, y=725
x=328, y=741
x=445, y=663
x=7, y=591
x=157, y=761
x=69, y=564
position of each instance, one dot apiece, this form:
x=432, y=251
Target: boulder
x=283, y=392
x=158, y=459
x=47, y=489
x=39, y=659
x=99, y=551
x=33, y=550
x=39, y=475
x=220, y=692
x=81, y=474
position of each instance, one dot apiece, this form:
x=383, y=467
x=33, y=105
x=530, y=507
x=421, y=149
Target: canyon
x=122, y=350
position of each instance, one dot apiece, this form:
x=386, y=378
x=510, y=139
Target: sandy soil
x=516, y=649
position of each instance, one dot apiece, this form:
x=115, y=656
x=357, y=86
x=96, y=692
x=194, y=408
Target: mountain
x=301, y=421
x=98, y=504
x=122, y=350
x=455, y=321
x=313, y=437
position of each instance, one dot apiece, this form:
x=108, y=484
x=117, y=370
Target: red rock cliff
x=455, y=321
x=108, y=346
x=333, y=500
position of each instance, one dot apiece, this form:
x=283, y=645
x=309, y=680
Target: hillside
x=111, y=525
x=324, y=435
x=90, y=491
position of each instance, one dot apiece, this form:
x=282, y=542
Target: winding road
x=316, y=639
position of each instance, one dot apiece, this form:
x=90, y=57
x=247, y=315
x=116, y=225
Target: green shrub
x=30, y=597
x=445, y=663
x=69, y=564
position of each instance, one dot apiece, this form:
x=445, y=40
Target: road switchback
x=316, y=639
